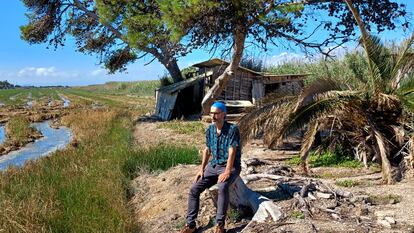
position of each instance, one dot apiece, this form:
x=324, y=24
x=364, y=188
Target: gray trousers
x=209, y=179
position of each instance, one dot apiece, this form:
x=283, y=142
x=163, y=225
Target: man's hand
x=199, y=175
x=224, y=176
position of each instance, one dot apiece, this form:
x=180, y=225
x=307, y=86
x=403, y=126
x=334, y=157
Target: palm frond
x=403, y=58
x=324, y=104
x=265, y=117
x=307, y=143
x=380, y=62
x=316, y=87
x=385, y=163
x=406, y=85
x=406, y=91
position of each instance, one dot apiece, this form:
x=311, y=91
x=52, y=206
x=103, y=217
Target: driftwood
x=242, y=197
x=310, y=196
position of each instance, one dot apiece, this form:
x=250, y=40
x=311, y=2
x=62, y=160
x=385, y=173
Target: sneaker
x=188, y=229
x=220, y=229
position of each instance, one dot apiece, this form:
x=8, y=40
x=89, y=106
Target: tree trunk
x=171, y=65
x=222, y=81
x=241, y=197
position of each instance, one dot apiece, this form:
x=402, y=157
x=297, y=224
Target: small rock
x=391, y=220
x=175, y=217
x=336, y=216
x=393, y=201
x=384, y=223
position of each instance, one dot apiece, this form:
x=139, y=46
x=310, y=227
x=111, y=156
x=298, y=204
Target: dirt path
x=149, y=133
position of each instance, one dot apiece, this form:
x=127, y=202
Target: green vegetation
x=357, y=108
x=184, y=127
x=347, y=183
x=6, y=85
x=328, y=159
x=84, y=188
x=75, y=190
x=160, y=157
x=338, y=69
x=19, y=132
x=297, y=214
x=139, y=88
x=233, y=215
x=384, y=199
x=19, y=96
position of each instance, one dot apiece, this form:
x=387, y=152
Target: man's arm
x=230, y=162
x=204, y=162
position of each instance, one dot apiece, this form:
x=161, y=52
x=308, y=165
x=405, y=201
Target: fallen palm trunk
x=242, y=198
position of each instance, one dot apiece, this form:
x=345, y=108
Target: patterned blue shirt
x=219, y=144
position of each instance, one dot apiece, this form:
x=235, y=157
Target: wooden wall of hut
x=238, y=88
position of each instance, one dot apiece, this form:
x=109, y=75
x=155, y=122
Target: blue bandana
x=220, y=105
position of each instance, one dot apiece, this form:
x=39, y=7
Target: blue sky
x=24, y=64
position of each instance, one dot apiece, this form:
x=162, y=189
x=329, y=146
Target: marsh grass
x=160, y=157
x=84, y=188
x=184, y=127
x=19, y=96
x=19, y=131
x=140, y=88
x=75, y=190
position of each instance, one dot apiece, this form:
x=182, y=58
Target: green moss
x=347, y=183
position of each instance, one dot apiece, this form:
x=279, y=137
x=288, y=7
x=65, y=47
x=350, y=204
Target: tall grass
x=338, y=69
x=83, y=188
x=75, y=190
x=160, y=157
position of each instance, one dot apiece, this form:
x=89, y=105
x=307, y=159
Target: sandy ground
x=160, y=199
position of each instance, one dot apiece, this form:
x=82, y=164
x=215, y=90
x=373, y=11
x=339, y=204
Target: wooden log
x=242, y=197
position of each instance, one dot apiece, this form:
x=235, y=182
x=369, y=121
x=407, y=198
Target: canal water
x=52, y=140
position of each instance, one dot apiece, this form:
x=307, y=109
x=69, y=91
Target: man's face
x=217, y=115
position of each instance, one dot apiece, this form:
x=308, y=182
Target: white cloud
x=97, y=72
x=44, y=72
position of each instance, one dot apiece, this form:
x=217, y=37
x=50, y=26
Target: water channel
x=52, y=140
x=2, y=134
x=66, y=102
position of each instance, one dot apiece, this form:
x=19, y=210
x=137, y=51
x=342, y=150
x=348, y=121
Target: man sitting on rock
x=223, y=143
